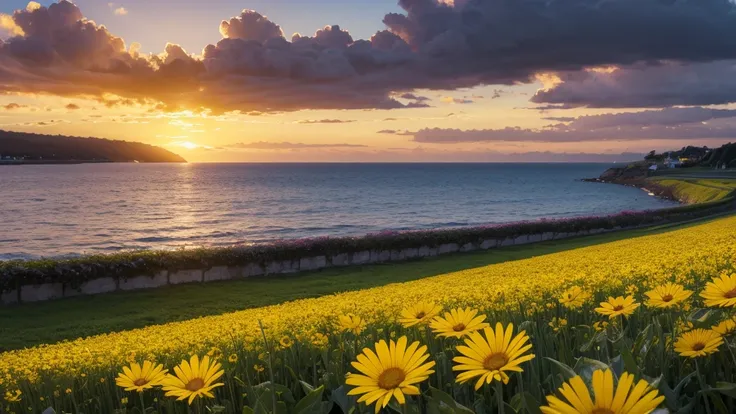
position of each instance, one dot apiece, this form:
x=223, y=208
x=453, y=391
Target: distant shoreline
x=69, y=162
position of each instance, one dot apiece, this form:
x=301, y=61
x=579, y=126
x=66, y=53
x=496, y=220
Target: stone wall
x=49, y=291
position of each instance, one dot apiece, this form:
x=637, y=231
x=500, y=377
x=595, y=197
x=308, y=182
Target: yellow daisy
x=574, y=297
x=698, y=342
x=726, y=327
x=614, y=307
x=419, y=314
x=489, y=358
x=193, y=379
x=458, y=323
x=667, y=295
x=286, y=342
x=140, y=378
x=392, y=371
x=623, y=399
x=351, y=323
x=720, y=292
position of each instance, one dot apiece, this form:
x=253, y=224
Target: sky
x=374, y=80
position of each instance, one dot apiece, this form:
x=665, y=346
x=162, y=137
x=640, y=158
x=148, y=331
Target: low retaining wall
x=49, y=291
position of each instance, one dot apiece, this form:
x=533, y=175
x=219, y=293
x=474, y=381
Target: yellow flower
x=491, y=356
x=419, y=314
x=137, y=378
x=614, y=307
x=102, y=380
x=352, y=323
x=193, y=379
x=557, y=324
x=574, y=297
x=599, y=326
x=458, y=323
x=320, y=340
x=392, y=371
x=259, y=368
x=641, y=399
x=13, y=396
x=667, y=295
x=286, y=342
x=124, y=400
x=698, y=342
x=726, y=327
x=233, y=358
x=720, y=292
x=68, y=391
x=632, y=289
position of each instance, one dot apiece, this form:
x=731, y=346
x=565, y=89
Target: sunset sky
x=373, y=80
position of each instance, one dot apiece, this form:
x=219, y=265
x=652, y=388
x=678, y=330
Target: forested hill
x=64, y=148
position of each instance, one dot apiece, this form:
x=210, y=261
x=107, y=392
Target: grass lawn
x=47, y=322
x=698, y=190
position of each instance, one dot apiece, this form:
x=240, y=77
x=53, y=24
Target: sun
x=188, y=145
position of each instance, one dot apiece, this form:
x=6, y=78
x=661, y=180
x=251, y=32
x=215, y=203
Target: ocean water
x=56, y=210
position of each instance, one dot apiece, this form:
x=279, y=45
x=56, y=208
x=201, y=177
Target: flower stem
x=499, y=397
x=703, y=387
x=143, y=403
x=270, y=365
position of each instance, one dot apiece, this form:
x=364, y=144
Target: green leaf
x=530, y=403
x=217, y=409
x=307, y=387
x=726, y=388
x=346, y=402
x=564, y=369
x=312, y=400
x=248, y=410
x=586, y=366
x=446, y=399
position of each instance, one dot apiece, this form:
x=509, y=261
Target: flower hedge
x=75, y=271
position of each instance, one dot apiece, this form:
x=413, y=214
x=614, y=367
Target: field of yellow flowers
x=624, y=327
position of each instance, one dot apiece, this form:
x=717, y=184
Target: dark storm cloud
x=641, y=86
x=432, y=46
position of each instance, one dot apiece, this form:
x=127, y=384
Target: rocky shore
x=635, y=174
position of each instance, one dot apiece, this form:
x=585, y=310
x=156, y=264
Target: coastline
x=47, y=279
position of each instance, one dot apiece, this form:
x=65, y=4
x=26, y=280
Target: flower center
x=420, y=315
x=495, y=361
x=195, y=384
x=667, y=298
x=602, y=410
x=730, y=294
x=459, y=327
x=698, y=346
x=140, y=382
x=391, y=378
x=618, y=308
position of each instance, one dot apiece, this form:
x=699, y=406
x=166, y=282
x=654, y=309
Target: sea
x=68, y=210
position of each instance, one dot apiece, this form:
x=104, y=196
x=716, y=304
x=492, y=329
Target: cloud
x=432, y=45
x=665, y=124
x=121, y=11
x=11, y=106
x=265, y=145
x=326, y=121
x=449, y=99
x=72, y=107
x=395, y=132
x=641, y=86
x=413, y=97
